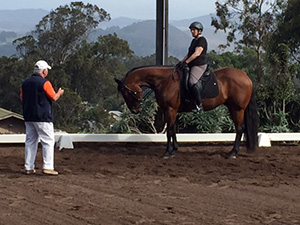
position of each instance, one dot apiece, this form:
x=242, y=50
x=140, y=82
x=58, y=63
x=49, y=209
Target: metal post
x=162, y=14
x=166, y=31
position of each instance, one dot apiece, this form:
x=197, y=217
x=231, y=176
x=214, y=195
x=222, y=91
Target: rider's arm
x=197, y=52
x=185, y=58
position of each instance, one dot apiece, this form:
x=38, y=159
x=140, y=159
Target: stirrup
x=199, y=108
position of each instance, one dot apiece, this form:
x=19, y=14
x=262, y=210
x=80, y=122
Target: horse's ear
x=120, y=84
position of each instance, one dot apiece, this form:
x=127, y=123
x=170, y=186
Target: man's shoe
x=27, y=172
x=50, y=172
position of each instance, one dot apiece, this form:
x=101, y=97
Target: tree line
x=268, y=50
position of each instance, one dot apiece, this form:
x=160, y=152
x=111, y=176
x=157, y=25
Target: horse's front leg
x=175, y=143
x=167, y=153
x=172, y=144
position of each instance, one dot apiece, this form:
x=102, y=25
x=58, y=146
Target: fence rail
x=66, y=140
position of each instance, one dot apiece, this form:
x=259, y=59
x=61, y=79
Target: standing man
x=37, y=95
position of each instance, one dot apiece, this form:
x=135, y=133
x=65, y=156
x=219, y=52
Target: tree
x=94, y=66
x=291, y=26
x=279, y=98
x=58, y=33
x=255, y=20
x=12, y=73
x=27, y=47
x=244, y=60
x=288, y=29
x=67, y=112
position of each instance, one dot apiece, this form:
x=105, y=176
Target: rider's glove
x=182, y=65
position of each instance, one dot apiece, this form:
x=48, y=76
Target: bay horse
x=235, y=92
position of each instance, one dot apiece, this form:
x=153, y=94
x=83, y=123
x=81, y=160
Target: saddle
x=209, y=82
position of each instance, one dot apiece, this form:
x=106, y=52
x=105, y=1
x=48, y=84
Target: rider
x=196, y=61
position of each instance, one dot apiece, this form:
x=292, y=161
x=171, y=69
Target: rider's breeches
x=196, y=73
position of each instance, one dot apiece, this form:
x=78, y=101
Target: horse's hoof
x=230, y=156
x=168, y=155
x=165, y=156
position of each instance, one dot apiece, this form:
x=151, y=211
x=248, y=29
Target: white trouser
x=43, y=131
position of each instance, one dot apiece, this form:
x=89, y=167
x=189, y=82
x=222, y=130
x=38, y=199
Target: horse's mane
x=141, y=67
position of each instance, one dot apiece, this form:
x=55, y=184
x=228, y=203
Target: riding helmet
x=196, y=25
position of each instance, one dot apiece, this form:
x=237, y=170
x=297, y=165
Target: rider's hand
x=182, y=65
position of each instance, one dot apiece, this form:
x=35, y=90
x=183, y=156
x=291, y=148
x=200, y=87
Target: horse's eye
x=134, y=92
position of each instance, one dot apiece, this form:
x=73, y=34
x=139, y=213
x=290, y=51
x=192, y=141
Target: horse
x=235, y=92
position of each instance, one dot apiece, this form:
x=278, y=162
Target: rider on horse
x=195, y=62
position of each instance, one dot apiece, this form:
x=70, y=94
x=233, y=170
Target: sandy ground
x=130, y=183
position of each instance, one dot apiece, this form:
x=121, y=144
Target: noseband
x=132, y=93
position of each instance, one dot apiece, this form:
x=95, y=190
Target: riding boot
x=196, y=92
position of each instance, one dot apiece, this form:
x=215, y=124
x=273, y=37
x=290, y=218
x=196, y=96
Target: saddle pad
x=210, y=85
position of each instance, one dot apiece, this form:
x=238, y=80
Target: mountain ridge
x=140, y=34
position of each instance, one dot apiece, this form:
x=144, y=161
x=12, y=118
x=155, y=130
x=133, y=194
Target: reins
x=151, y=90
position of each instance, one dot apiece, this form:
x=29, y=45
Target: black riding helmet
x=196, y=25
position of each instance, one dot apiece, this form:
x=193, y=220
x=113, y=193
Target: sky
x=137, y=9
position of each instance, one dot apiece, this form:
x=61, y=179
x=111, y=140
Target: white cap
x=41, y=64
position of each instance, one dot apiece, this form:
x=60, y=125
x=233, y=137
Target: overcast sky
x=138, y=9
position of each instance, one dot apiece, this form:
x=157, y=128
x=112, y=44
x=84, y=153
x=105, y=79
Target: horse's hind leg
x=237, y=141
x=238, y=118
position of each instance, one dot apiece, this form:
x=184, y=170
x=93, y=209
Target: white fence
x=66, y=140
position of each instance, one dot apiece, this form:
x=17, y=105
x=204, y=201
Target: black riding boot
x=196, y=92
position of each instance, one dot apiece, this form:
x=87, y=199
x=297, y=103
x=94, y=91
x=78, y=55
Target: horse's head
x=133, y=98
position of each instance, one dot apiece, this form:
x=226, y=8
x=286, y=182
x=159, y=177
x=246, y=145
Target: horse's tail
x=251, y=121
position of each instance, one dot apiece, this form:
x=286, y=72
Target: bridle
x=134, y=93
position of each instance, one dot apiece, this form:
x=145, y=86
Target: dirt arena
x=130, y=183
